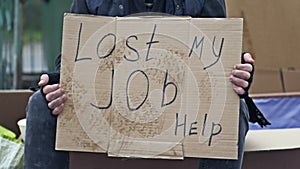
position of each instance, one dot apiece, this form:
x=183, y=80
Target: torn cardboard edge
x=147, y=151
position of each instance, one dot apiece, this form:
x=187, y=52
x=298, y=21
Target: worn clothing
x=41, y=124
x=40, y=137
x=194, y=8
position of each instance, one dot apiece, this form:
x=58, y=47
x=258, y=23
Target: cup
x=22, y=126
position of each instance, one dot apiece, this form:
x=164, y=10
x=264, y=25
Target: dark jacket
x=194, y=8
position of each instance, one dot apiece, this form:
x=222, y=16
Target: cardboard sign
x=150, y=87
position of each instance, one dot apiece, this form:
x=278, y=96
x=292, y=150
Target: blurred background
x=30, y=40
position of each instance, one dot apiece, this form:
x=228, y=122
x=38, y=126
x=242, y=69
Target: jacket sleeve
x=214, y=8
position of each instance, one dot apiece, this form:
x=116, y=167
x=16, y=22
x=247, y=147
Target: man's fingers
x=248, y=58
x=58, y=109
x=53, y=92
x=245, y=67
x=44, y=79
x=239, y=82
x=50, y=88
x=238, y=90
x=57, y=102
x=241, y=74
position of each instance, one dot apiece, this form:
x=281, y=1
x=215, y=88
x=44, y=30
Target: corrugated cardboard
x=276, y=81
x=272, y=36
x=271, y=30
x=267, y=81
x=291, y=77
x=150, y=87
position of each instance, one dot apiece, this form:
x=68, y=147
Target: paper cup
x=22, y=126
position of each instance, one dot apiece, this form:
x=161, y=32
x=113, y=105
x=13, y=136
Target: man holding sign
x=40, y=137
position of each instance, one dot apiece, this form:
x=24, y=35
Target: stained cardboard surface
x=150, y=87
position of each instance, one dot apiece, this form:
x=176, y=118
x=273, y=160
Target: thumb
x=44, y=79
x=248, y=58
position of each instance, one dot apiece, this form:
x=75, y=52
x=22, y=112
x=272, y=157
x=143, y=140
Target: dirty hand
x=55, y=94
x=241, y=73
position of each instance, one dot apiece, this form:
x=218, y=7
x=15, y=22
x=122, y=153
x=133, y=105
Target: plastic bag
x=11, y=150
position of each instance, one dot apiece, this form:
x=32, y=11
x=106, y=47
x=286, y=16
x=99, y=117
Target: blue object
x=282, y=112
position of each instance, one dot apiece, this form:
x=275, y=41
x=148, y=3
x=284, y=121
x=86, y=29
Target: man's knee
x=37, y=99
x=37, y=108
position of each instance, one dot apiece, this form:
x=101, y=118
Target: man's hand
x=55, y=95
x=241, y=73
